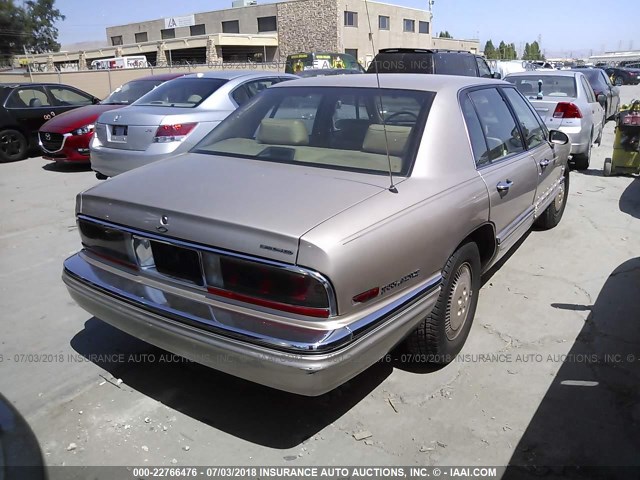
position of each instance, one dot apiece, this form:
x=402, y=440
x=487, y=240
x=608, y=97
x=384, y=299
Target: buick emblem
x=47, y=136
x=164, y=222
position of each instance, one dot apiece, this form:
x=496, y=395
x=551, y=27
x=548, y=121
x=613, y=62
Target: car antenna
x=392, y=187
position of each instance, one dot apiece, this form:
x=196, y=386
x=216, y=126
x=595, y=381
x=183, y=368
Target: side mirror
x=558, y=137
x=602, y=99
x=496, y=75
x=95, y=100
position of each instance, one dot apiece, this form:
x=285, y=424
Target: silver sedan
x=566, y=102
x=172, y=118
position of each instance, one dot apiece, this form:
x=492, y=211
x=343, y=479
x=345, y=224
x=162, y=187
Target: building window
x=117, y=40
x=423, y=27
x=168, y=33
x=142, y=37
x=383, y=22
x=267, y=24
x=232, y=26
x=197, y=29
x=409, y=25
x=350, y=19
x=352, y=51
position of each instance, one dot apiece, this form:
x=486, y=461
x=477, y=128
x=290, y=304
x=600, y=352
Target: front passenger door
x=508, y=170
x=535, y=136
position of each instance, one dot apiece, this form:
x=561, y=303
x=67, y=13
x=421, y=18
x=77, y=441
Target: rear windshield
x=182, y=92
x=455, y=64
x=593, y=75
x=308, y=61
x=552, y=86
x=339, y=128
x=402, y=63
x=130, y=92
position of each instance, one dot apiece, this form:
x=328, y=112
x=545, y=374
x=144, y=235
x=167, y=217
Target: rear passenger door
x=508, y=170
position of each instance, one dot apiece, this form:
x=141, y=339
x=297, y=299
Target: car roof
x=403, y=81
x=422, y=50
x=544, y=73
x=33, y=84
x=232, y=74
x=161, y=76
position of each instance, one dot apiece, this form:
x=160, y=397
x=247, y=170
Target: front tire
x=13, y=146
x=553, y=213
x=442, y=334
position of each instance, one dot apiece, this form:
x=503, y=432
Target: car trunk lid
x=257, y=208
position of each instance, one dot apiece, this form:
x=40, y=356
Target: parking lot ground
x=548, y=376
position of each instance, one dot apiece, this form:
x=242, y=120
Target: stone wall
x=308, y=26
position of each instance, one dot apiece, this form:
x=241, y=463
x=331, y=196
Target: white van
x=135, y=61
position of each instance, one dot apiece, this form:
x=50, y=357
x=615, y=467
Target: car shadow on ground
x=592, y=172
x=66, y=167
x=244, y=409
x=630, y=199
x=590, y=415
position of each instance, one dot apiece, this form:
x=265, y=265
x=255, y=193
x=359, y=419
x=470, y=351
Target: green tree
x=445, y=34
x=41, y=18
x=526, y=52
x=489, y=50
x=13, y=33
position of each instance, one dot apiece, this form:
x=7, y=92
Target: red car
x=65, y=138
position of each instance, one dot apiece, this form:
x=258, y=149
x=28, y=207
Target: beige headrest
x=276, y=131
x=375, y=141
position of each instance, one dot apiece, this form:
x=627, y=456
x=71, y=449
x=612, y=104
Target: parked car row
x=301, y=228
x=24, y=107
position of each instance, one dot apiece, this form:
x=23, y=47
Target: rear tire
x=606, y=171
x=13, y=146
x=442, y=334
x=581, y=161
x=553, y=213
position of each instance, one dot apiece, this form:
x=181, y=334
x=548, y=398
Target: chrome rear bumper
x=306, y=361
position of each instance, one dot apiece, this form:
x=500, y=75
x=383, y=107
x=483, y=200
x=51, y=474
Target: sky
x=565, y=27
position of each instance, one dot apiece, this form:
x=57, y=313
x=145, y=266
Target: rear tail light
x=173, y=133
x=567, y=110
x=110, y=244
x=271, y=286
x=266, y=285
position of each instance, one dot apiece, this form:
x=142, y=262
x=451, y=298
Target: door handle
x=544, y=163
x=504, y=186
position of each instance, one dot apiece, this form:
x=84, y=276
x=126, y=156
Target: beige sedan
x=321, y=224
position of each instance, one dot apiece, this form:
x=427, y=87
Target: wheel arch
x=484, y=236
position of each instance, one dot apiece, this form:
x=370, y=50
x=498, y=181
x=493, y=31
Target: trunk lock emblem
x=164, y=222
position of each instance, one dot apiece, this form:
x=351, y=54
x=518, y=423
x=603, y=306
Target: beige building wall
x=102, y=82
x=247, y=18
x=308, y=26
x=358, y=37
x=472, y=46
